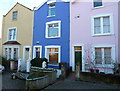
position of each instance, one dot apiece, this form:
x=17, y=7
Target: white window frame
x=16, y=16
x=101, y=25
x=49, y=8
x=59, y=29
x=34, y=53
x=24, y=51
x=112, y=55
x=12, y=47
x=12, y=35
x=53, y=46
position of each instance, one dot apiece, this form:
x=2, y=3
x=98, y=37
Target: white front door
x=26, y=52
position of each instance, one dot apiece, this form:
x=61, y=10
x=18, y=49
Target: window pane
x=15, y=56
x=52, y=32
x=97, y=3
x=38, y=52
x=107, y=55
x=51, y=11
x=97, y=29
x=53, y=58
x=77, y=48
x=14, y=34
x=10, y=34
x=106, y=24
x=10, y=53
x=15, y=15
x=98, y=56
x=53, y=49
x=6, y=53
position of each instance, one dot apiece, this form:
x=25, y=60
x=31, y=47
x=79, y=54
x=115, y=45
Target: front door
x=26, y=53
x=78, y=55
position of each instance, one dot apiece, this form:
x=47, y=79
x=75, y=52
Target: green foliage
x=38, y=61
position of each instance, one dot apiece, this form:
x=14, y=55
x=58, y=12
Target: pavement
x=67, y=84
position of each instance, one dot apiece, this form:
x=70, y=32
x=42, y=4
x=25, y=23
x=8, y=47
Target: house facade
x=17, y=32
x=52, y=32
x=0, y=47
x=94, y=35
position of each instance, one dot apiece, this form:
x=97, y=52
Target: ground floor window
x=11, y=52
x=53, y=54
x=103, y=55
x=37, y=51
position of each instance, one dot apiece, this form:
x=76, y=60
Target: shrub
x=38, y=62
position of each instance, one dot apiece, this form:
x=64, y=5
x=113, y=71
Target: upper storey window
x=51, y=9
x=14, y=16
x=53, y=29
x=102, y=25
x=97, y=3
x=12, y=34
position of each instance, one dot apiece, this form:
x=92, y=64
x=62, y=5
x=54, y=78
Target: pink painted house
x=94, y=35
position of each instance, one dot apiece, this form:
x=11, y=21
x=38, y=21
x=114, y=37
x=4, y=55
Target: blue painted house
x=51, y=36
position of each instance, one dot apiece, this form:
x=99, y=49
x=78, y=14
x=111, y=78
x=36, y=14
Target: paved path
x=8, y=83
x=69, y=83
x=72, y=84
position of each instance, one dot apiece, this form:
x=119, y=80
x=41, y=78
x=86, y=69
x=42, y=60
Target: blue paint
x=62, y=13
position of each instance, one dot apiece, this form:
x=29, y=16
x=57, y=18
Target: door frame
x=73, y=57
x=40, y=46
x=24, y=52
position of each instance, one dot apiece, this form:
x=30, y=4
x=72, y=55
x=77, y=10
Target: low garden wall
x=37, y=83
x=97, y=77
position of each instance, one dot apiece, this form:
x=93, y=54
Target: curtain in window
x=98, y=56
x=97, y=29
x=106, y=24
x=107, y=55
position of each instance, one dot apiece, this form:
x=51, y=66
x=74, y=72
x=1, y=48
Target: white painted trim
x=34, y=53
x=112, y=55
x=8, y=33
x=73, y=57
x=29, y=51
x=52, y=1
x=53, y=46
x=59, y=29
x=12, y=47
x=111, y=25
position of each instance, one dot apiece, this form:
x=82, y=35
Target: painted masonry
x=71, y=32
x=52, y=32
x=16, y=26
x=94, y=33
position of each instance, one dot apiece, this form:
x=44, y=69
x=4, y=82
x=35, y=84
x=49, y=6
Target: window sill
x=50, y=16
x=97, y=7
x=52, y=37
x=95, y=35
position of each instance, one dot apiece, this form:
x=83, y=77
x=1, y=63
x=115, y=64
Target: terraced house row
x=71, y=32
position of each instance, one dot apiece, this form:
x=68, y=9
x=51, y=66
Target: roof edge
x=15, y=5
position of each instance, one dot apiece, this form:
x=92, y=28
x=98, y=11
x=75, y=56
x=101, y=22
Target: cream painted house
x=0, y=47
x=17, y=32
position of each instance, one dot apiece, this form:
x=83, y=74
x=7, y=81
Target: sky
x=6, y=5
